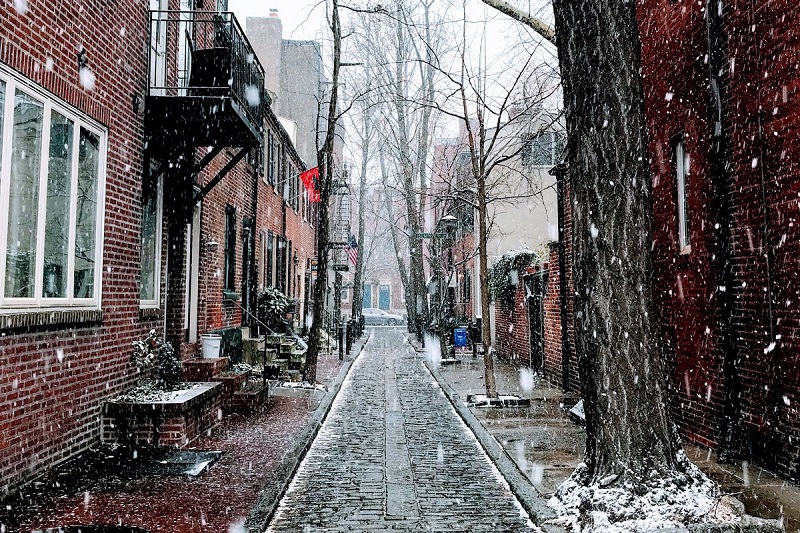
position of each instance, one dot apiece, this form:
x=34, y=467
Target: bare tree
x=325, y=161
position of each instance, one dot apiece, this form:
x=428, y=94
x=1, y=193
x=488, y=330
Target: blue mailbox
x=460, y=337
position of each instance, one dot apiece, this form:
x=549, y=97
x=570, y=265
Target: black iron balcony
x=206, y=85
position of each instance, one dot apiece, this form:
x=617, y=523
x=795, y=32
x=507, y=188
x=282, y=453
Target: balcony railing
x=203, y=54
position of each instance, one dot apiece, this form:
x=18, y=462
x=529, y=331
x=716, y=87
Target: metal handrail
x=204, y=31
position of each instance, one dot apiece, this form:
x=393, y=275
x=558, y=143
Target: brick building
x=72, y=162
x=533, y=144
x=139, y=191
x=721, y=85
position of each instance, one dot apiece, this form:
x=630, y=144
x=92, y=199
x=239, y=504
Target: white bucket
x=211, y=345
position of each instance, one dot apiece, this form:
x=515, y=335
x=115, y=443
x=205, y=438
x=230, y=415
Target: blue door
x=366, y=298
x=383, y=297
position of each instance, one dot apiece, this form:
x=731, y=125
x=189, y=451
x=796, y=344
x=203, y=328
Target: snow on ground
x=667, y=505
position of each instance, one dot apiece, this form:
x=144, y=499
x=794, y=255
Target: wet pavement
x=393, y=455
x=546, y=444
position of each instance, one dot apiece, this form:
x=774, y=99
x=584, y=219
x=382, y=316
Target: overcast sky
x=300, y=18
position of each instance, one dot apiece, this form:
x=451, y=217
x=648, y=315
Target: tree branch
x=537, y=25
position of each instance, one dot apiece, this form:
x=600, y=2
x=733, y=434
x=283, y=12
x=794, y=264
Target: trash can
x=460, y=337
x=211, y=345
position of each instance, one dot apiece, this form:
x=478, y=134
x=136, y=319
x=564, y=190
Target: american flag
x=352, y=250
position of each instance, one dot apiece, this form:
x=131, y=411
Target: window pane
x=23, y=198
x=56, y=229
x=268, y=263
x=86, y=222
x=230, y=248
x=560, y=147
x=542, y=150
x=150, y=221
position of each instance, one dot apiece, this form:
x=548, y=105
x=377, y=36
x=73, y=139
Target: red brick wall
x=762, y=117
x=512, y=340
x=53, y=381
x=512, y=327
x=677, y=104
x=553, y=347
x=765, y=88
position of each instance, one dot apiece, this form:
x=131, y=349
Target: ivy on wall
x=503, y=275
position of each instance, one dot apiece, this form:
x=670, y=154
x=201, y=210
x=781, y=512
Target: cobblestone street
x=393, y=455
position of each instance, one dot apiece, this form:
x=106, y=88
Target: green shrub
x=153, y=355
x=273, y=306
x=502, y=283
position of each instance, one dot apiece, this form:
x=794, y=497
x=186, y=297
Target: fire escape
x=340, y=224
x=205, y=95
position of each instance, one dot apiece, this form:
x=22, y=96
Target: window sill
x=53, y=318
x=150, y=312
x=231, y=295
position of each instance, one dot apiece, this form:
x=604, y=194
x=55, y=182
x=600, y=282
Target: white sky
x=300, y=18
x=305, y=19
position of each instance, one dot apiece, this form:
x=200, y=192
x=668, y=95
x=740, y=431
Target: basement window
x=52, y=169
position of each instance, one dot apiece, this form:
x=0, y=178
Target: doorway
x=535, y=290
x=192, y=295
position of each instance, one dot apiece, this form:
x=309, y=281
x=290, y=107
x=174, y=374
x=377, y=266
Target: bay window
x=51, y=185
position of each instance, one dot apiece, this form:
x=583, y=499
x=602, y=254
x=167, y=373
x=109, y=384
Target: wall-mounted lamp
x=212, y=245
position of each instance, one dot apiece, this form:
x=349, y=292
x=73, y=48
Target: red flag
x=310, y=178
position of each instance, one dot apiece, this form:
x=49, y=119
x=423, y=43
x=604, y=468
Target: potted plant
x=273, y=307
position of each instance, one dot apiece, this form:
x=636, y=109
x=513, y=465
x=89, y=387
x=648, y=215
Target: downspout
x=560, y=173
x=731, y=443
x=253, y=274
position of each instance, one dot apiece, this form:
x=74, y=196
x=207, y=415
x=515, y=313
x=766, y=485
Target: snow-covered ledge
x=173, y=420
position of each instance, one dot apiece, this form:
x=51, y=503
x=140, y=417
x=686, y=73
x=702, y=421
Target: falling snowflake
x=252, y=95
x=87, y=78
x=21, y=6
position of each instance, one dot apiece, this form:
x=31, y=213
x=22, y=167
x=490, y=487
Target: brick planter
x=175, y=422
x=203, y=369
x=249, y=399
x=230, y=384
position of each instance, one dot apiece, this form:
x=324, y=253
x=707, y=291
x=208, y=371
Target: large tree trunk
x=630, y=436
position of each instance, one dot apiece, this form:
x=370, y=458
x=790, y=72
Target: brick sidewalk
x=223, y=495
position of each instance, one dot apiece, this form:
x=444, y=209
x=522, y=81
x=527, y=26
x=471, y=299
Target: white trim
x=682, y=173
x=50, y=103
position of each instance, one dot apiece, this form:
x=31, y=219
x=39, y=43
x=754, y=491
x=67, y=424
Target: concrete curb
x=525, y=492
x=263, y=511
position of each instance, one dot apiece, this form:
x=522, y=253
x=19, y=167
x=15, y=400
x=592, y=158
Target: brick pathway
x=394, y=456
x=217, y=501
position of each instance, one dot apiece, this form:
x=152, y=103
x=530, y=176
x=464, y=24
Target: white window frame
x=50, y=103
x=155, y=302
x=681, y=175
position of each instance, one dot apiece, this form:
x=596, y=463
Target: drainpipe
x=731, y=443
x=560, y=173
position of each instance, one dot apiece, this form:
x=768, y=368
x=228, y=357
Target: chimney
x=273, y=12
